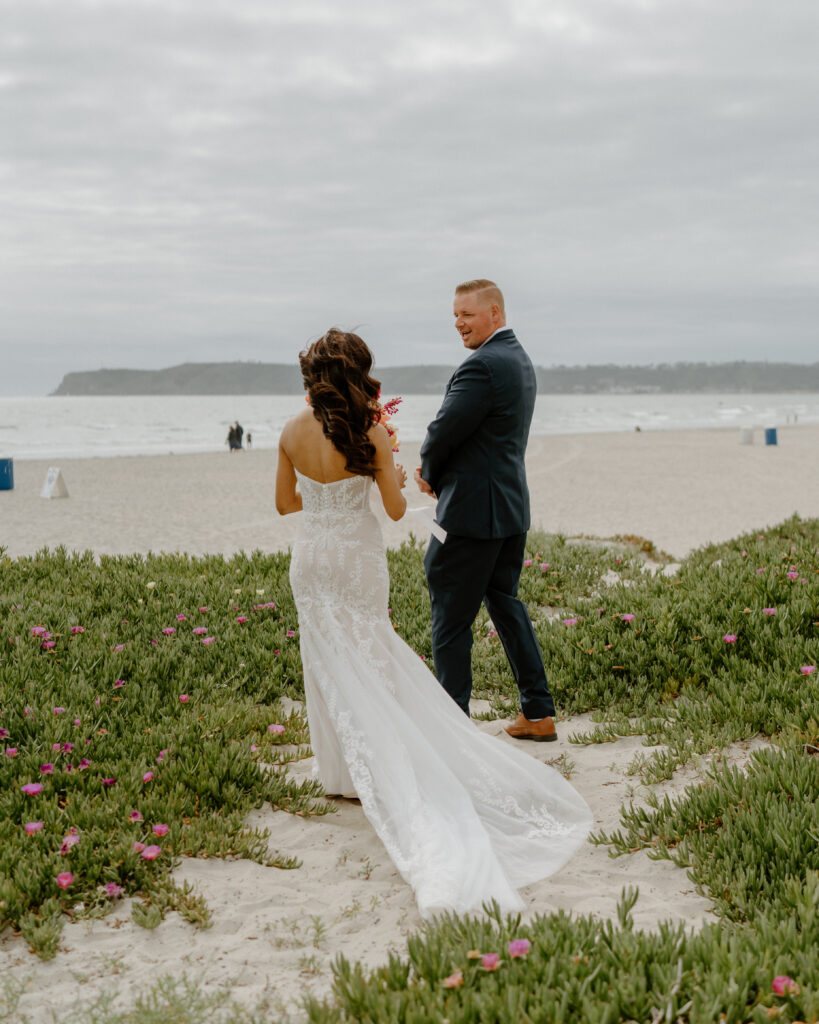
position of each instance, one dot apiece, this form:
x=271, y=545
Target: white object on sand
x=54, y=486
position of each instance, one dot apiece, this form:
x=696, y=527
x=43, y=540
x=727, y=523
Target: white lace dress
x=464, y=816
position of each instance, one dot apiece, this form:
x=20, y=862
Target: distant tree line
x=285, y=379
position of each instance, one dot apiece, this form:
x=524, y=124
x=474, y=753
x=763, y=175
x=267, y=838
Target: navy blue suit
x=473, y=458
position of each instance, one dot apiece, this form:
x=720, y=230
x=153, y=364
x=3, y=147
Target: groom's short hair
x=482, y=284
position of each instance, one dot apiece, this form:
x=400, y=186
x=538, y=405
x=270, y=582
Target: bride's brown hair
x=343, y=395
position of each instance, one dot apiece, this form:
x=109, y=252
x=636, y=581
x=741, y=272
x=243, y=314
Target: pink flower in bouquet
x=160, y=830
x=730, y=638
x=454, y=980
x=32, y=826
x=519, y=948
x=782, y=985
x=490, y=961
x=32, y=788
x=807, y=670
x=151, y=852
x=64, y=879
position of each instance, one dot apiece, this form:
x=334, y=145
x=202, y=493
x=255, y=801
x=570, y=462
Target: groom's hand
x=423, y=486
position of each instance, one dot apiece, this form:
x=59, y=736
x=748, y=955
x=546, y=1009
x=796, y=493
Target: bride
x=465, y=817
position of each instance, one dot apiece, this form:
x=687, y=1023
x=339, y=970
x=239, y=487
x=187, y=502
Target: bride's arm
x=389, y=477
x=288, y=498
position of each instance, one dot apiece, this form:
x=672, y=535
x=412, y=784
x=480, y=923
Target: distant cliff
x=285, y=379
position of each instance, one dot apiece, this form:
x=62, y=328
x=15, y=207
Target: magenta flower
x=77, y=721
x=570, y=622
x=64, y=879
x=48, y=645
x=769, y=611
x=67, y=747
x=55, y=746
x=151, y=852
x=135, y=816
x=58, y=711
x=97, y=701
x=161, y=830
x=791, y=576
x=113, y=891
x=32, y=788
x=519, y=947
x=37, y=630
x=3, y=733
x=730, y=638
x=490, y=961
x=254, y=747
x=181, y=618
x=241, y=618
x=67, y=843
x=118, y=684
x=275, y=728
x=204, y=608
x=147, y=776
x=47, y=769
x=291, y=632
x=544, y=566
x=118, y=648
x=169, y=630
x=77, y=629
x=200, y=630
x=782, y=985
x=11, y=751
x=138, y=847
x=628, y=617
x=32, y=826
x=184, y=698
x=454, y=980
x=108, y=782
x=528, y=561
x=208, y=639
x=85, y=763
x=279, y=651
x=807, y=670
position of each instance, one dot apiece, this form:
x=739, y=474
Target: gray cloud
x=206, y=180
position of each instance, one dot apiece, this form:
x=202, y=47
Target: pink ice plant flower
x=108, y=782
x=807, y=670
x=519, y=947
x=118, y=648
x=37, y=630
x=291, y=632
x=181, y=618
x=528, y=561
x=169, y=630
x=47, y=769
x=77, y=629
x=85, y=763
x=55, y=746
x=204, y=608
x=161, y=830
x=184, y=698
x=67, y=747
x=65, y=879
x=70, y=841
x=544, y=566
x=454, y=980
x=147, y=776
x=135, y=816
x=241, y=618
x=77, y=721
x=570, y=622
x=118, y=684
x=48, y=645
x=793, y=575
x=782, y=985
x=137, y=847
x=3, y=733
x=200, y=630
x=730, y=638
x=113, y=891
x=276, y=728
x=32, y=826
x=490, y=961
x=208, y=639
x=32, y=788
x=151, y=852
x=628, y=617
x=769, y=611
x=11, y=751
x=58, y=711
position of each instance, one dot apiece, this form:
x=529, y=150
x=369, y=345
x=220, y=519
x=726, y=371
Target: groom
x=472, y=461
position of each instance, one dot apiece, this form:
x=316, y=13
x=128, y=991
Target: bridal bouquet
x=384, y=414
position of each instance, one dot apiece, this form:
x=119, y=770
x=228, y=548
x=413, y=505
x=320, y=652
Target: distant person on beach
x=249, y=440
x=472, y=460
x=234, y=438
x=465, y=817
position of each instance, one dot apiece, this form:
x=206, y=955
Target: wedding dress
x=464, y=816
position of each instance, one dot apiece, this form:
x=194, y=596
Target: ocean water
x=50, y=428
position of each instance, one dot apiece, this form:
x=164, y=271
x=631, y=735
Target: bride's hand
x=401, y=474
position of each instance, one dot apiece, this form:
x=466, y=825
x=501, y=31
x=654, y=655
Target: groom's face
x=475, y=318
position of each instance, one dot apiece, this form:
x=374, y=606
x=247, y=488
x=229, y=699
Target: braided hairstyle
x=343, y=395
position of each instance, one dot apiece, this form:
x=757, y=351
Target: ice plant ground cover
x=645, y=652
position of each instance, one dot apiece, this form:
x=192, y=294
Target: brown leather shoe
x=542, y=731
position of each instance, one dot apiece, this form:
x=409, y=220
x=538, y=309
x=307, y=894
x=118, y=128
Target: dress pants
x=462, y=572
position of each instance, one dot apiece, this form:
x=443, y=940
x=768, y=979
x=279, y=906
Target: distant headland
x=285, y=379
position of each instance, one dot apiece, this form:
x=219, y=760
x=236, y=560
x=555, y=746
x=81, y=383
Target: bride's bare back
x=304, y=447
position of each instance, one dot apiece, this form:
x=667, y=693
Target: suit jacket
x=473, y=454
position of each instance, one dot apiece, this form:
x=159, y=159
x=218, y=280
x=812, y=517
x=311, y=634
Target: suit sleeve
x=466, y=405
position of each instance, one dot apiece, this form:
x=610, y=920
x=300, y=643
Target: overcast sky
x=195, y=180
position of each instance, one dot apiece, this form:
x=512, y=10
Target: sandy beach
x=680, y=489
x=276, y=933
